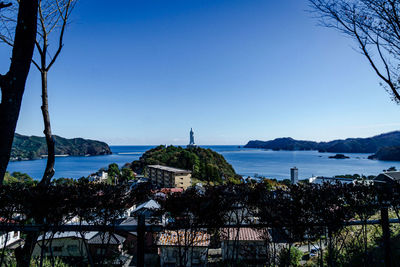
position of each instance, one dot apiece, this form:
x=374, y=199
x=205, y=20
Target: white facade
x=9, y=238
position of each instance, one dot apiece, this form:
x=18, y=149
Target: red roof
x=245, y=234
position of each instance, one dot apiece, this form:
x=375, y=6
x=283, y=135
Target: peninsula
x=34, y=147
x=349, y=145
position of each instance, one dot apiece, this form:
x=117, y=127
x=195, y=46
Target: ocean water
x=245, y=161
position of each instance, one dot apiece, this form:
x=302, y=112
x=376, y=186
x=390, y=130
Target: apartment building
x=168, y=177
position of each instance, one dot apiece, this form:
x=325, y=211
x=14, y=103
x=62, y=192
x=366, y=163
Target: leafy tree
x=286, y=182
x=18, y=177
x=126, y=175
x=113, y=172
x=290, y=259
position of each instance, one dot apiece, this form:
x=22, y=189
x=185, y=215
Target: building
x=191, y=139
x=183, y=248
x=333, y=180
x=82, y=247
x=98, y=177
x=387, y=177
x=11, y=239
x=168, y=177
x=246, y=244
x=294, y=175
x=8, y=239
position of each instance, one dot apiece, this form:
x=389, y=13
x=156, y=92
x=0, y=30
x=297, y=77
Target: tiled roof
x=106, y=238
x=245, y=234
x=170, y=238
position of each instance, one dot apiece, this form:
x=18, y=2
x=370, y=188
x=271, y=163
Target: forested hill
x=34, y=147
x=350, y=145
x=205, y=164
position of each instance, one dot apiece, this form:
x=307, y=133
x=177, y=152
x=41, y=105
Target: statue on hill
x=191, y=143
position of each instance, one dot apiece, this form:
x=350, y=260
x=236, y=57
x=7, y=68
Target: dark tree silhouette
x=53, y=17
x=13, y=82
x=375, y=26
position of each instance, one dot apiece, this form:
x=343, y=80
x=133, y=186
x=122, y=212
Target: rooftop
x=245, y=234
x=393, y=175
x=170, y=238
x=168, y=169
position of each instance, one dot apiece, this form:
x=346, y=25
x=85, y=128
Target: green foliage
x=290, y=260
x=126, y=175
x=113, y=172
x=33, y=147
x=63, y=181
x=10, y=261
x=206, y=165
x=18, y=177
x=286, y=182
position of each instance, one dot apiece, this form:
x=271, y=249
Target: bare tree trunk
x=13, y=83
x=23, y=255
x=49, y=171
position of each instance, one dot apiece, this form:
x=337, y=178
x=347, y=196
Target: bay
x=245, y=161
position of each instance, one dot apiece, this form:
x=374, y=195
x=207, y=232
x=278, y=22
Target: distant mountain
x=350, y=145
x=387, y=153
x=34, y=147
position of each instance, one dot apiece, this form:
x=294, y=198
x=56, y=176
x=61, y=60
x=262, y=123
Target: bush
x=290, y=260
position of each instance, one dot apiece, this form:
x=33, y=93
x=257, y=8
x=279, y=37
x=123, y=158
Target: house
x=390, y=177
x=246, y=245
x=64, y=244
x=183, y=248
x=168, y=177
x=98, y=177
x=147, y=209
x=105, y=246
x=9, y=239
x=81, y=247
x=321, y=180
x=130, y=244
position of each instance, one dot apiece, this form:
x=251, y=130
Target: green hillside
x=206, y=165
x=34, y=147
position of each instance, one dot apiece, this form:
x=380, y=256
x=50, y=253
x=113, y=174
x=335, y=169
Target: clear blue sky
x=145, y=71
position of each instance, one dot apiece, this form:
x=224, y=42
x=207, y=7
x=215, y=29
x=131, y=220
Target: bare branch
x=374, y=25
x=3, y=5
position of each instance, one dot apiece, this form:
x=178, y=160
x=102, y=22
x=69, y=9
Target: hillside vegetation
x=350, y=145
x=206, y=165
x=34, y=147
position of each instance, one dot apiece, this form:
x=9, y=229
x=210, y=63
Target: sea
x=245, y=161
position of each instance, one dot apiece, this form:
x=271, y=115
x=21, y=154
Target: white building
x=98, y=177
x=7, y=239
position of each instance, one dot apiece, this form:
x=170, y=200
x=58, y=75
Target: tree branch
x=3, y=5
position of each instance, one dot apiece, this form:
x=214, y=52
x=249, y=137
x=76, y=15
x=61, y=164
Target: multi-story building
x=168, y=177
